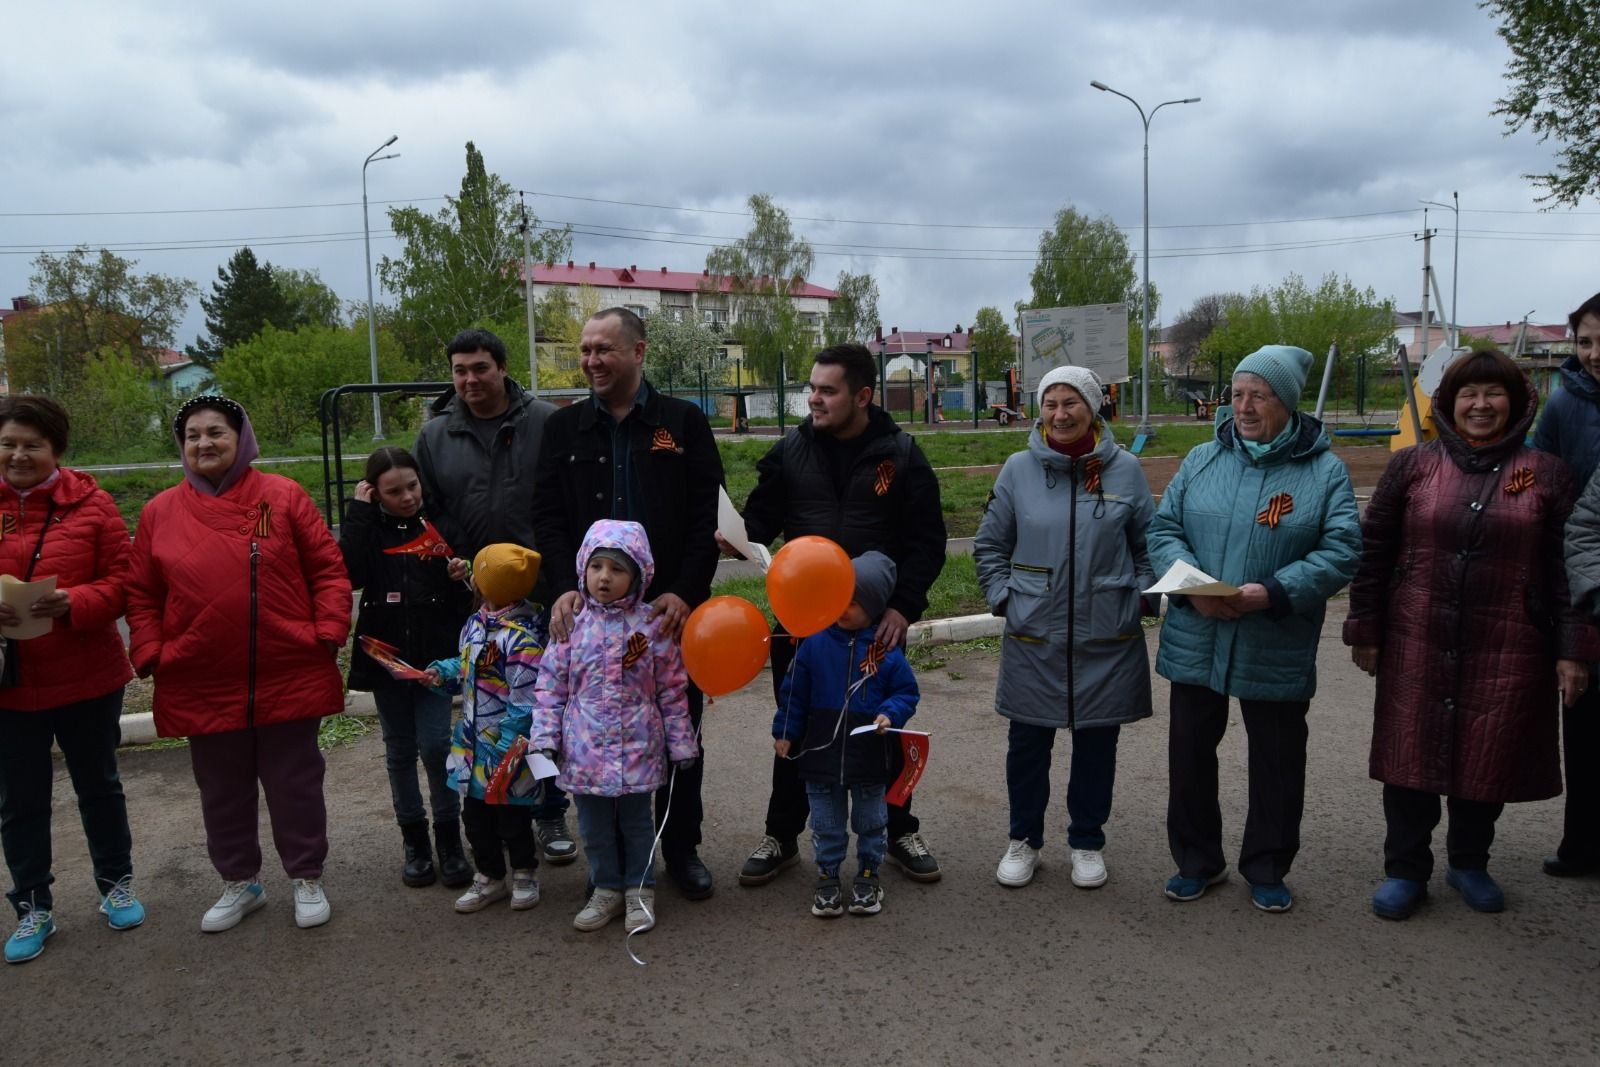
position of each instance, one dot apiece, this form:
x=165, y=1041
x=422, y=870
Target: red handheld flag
x=914, y=747
x=428, y=544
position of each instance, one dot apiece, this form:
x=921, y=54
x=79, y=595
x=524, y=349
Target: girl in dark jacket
x=412, y=599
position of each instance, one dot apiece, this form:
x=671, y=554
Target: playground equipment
x=1010, y=411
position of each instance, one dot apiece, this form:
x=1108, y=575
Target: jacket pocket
x=1113, y=608
x=1028, y=602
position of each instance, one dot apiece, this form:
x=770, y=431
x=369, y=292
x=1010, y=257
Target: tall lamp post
x=372, y=322
x=1455, y=262
x=1144, y=312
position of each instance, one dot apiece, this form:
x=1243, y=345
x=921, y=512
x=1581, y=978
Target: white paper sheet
x=541, y=766
x=730, y=524
x=1187, y=580
x=19, y=597
x=888, y=730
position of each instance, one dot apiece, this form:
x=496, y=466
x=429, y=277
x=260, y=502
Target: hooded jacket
x=1218, y=514
x=612, y=699
x=1570, y=426
x=1061, y=556
x=86, y=548
x=1463, y=592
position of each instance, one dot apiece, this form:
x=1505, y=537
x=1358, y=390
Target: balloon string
x=844, y=713
x=672, y=783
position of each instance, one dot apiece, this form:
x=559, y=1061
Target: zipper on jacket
x=1072, y=592
x=250, y=694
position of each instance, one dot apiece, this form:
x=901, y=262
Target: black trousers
x=1411, y=816
x=1277, y=760
x=787, y=806
x=1580, y=743
x=682, y=833
x=494, y=830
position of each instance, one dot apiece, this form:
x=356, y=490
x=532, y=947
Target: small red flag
x=914, y=747
x=428, y=544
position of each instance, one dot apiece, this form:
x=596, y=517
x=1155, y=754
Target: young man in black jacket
x=630, y=452
x=847, y=473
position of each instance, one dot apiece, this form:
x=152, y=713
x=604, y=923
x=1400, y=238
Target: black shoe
x=559, y=847
x=827, y=900
x=866, y=894
x=418, y=870
x=691, y=876
x=769, y=858
x=910, y=853
x=454, y=870
x=1557, y=867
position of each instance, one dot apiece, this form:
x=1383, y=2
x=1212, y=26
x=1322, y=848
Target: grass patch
x=338, y=730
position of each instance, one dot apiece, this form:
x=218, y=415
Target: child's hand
x=366, y=492
x=781, y=747
x=430, y=678
x=881, y=722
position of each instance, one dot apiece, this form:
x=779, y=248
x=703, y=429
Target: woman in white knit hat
x=1061, y=556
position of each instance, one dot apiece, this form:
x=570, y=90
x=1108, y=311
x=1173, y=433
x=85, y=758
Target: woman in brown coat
x=1460, y=609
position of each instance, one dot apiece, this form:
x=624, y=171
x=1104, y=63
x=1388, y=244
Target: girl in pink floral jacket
x=611, y=708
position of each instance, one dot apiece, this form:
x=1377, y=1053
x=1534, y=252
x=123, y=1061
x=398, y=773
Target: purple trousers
x=285, y=759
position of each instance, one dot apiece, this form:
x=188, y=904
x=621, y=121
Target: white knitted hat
x=1080, y=378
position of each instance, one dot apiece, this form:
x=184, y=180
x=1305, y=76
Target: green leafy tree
x=311, y=302
x=461, y=266
x=1553, y=71
x=1087, y=261
x=117, y=403
x=765, y=267
x=993, y=343
x=560, y=317
x=680, y=349
x=854, y=315
x=244, y=298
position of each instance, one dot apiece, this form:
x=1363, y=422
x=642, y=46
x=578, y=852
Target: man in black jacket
x=847, y=473
x=630, y=452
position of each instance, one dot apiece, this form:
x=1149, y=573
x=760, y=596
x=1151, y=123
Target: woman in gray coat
x=1061, y=556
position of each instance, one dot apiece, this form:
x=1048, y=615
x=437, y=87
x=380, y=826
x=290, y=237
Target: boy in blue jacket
x=843, y=679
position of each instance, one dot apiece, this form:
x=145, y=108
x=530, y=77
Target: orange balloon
x=809, y=585
x=725, y=644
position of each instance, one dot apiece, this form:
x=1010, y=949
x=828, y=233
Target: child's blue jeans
x=831, y=820
x=617, y=835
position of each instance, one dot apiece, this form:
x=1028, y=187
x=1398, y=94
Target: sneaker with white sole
x=524, y=890
x=1017, y=865
x=604, y=905
x=1088, y=868
x=35, y=927
x=311, y=907
x=768, y=861
x=481, y=893
x=641, y=910
x=555, y=840
x=911, y=854
x=120, y=906
x=238, y=900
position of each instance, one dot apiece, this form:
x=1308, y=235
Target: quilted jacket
x=1217, y=515
x=86, y=548
x=1463, y=591
x=230, y=601
x=612, y=700
x=1570, y=426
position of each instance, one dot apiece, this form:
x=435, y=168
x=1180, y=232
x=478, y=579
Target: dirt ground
x=962, y=971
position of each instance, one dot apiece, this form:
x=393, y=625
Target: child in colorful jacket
x=612, y=709
x=500, y=648
x=842, y=679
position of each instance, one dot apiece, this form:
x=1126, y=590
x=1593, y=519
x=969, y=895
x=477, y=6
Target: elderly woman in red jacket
x=1461, y=610
x=66, y=684
x=238, y=603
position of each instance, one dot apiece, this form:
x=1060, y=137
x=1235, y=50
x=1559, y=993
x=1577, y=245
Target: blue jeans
x=1093, y=772
x=867, y=814
x=416, y=724
x=617, y=835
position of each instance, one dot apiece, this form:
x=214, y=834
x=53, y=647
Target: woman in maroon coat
x=1461, y=610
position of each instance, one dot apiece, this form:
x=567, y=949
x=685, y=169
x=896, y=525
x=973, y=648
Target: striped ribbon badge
x=1521, y=479
x=874, y=657
x=885, y=478
x=1091, y=474
x=637, y=644
x=1276, y=509
x=264, y=523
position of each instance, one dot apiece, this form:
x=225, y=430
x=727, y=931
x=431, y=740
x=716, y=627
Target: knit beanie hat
x=874, y=582
x=1283, y=367
x=505, y=573
x=1082, y=379
x=619, y=557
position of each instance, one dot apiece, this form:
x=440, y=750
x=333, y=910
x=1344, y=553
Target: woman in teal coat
x=1268, y=508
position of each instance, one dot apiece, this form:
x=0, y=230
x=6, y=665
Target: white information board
x=1095, y=336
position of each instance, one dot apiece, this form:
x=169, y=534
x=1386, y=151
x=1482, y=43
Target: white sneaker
x=604, y=905
x=641, y=910
x=1088, y=868
x=481, y=893
x=238, y=900
x=311, y=906
x=524, y=890
x=1016, y=866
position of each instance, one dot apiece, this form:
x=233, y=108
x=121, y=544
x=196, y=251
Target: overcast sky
x=947, y=134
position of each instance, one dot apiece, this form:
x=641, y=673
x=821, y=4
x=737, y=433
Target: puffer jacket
x=1217, y=515
x=1060, y=554
x=494, y=675
x=812, y=701
x=231, y=601
x=612, y=700
x=1570, y=425
x=86, y=548
x=407, y=601
x=1583, y=552
x=1463, y=591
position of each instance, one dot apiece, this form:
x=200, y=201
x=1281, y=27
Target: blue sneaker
x=1274, y=897
x=1186, y=889
x=33, y=930
x=120, y=907
x=1481, y=892
x=1397, y=898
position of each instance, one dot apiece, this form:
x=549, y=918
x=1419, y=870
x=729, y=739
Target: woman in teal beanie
x=1268, y=508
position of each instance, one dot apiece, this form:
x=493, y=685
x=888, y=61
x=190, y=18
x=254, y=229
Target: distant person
x=65, y=686
x=1268, y=508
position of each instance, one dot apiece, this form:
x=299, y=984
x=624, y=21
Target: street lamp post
x=1144, y=312
x=372, y=322
x=1455, y=262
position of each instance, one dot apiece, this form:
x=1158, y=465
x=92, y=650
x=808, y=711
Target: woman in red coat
x=238, y=604
x=66, y=684
x=1461, y=610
